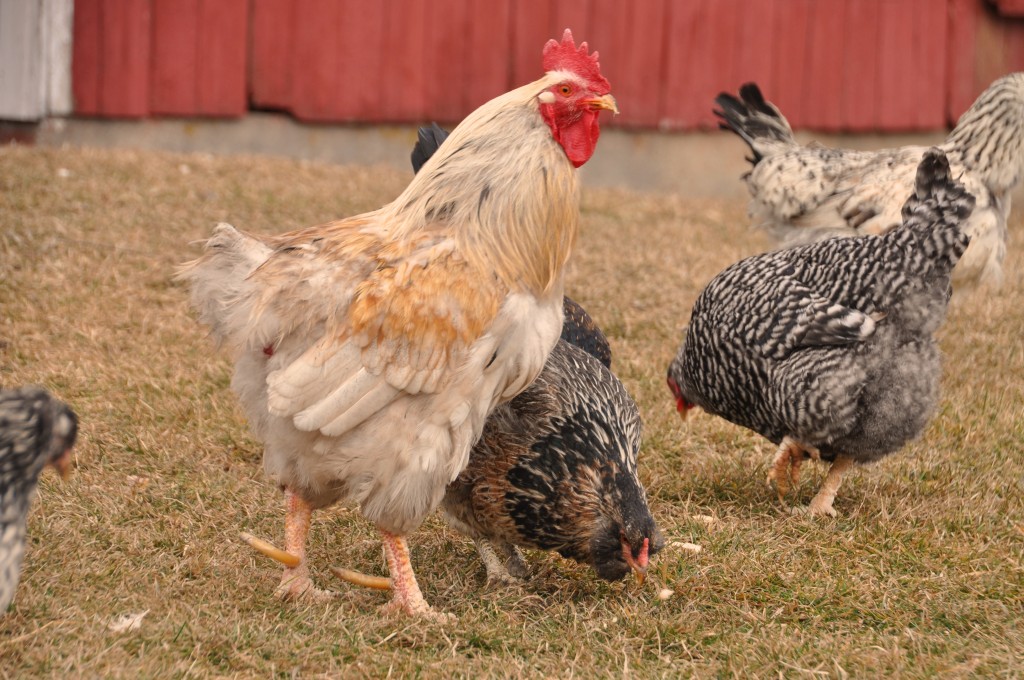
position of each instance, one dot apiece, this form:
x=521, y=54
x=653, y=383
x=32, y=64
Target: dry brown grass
x=921, y=573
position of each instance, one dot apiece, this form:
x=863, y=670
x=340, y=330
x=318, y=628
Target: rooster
x=805, y=193
x=369, y=351
x=36, y=430
x=828, y=349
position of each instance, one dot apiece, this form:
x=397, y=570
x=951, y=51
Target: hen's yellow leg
x=780, y=474
x=821, y=504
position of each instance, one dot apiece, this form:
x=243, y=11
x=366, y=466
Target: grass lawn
x=921, y=573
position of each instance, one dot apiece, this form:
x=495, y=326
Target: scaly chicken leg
x=406, y=595
x=821, y=504
x=295, y=581
x=785, y=471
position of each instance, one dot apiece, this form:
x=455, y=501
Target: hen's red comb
x=565, y=56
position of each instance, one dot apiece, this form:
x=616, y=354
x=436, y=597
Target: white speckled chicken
x=370, y=350
x=806, y=193
x=36, y=430
x=828, y=349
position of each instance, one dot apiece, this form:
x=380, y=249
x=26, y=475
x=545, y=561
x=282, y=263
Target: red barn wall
x=854, y=65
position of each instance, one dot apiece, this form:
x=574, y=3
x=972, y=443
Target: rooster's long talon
x=286, y=558
x=357, y=578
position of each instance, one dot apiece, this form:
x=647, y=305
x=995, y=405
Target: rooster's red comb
x=565, y=56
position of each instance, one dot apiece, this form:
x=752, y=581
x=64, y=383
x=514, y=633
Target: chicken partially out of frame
x=806, y=193
x=369, y=351
x=36, y=431
x=828, y=349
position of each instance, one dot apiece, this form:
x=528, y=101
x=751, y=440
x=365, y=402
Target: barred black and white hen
x=36, y=430
x=556, y=468
x=828, y=349
x=805, y=193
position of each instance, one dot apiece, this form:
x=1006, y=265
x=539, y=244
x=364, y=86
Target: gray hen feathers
x=36, y=430
x=831, y=344
x=805, y=193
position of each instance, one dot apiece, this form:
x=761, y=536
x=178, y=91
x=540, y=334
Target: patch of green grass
x=920, y=575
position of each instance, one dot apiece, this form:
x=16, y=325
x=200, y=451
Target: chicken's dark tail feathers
x=429, y=139
x=752, y=118
x=938, y=208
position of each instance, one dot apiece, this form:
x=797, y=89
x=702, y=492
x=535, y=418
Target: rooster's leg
x=821, y=504
x=295, y=582
x=406, y=595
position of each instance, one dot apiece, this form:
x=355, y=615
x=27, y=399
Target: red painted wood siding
x=987, y=46
x=136, y=58
x=110, y=58
x=854, y=65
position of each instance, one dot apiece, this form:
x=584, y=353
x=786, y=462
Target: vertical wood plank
x=531, y=29
x=271, y=70
x=631, y=41
x=124, y=58
x=320, y=30
x=755, y=56
x=576, y=15
x=701, y=59
x=361, y=63
x=221, y=73
x=85, y=57
x=861, y=66
x=489, y=58
x=791, y=90
x=21, y=61
x=912, y=53
x=56, y=33
x=402, y=82
x=963, y=27
x=175, y=53
x=825, y=73
x=899, y=31
x=445, y=61
x=931, y=59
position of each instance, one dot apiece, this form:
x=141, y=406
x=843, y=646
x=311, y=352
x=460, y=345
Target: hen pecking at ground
x=828, y=349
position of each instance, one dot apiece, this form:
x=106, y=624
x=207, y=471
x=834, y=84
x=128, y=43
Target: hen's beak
x=638, y=564
x=607, y=102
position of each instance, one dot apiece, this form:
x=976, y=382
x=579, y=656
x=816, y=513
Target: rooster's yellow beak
x=606, y=102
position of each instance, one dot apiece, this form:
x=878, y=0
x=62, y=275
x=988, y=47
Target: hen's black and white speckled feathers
x=556, y=469
x=831, y=343
x=36, y=430
x=803, y=193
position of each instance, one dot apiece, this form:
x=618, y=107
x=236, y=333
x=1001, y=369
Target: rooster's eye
x=565, y=90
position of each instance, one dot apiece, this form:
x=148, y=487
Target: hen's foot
x=821, y=504
x=507, y=569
